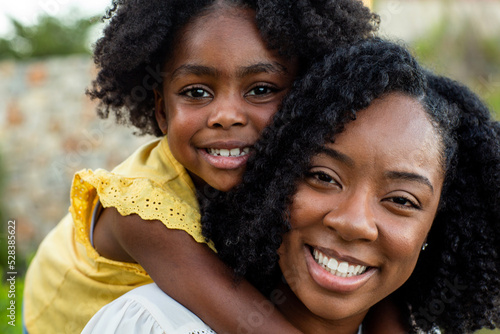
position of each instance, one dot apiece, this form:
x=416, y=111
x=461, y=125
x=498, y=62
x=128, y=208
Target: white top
x=146, y=310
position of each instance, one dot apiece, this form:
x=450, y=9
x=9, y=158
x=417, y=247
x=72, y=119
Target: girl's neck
x=300, y=316
x=198, y=182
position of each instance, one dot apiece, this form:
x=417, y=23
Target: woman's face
x=361, y=215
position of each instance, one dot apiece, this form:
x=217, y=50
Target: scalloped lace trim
x=148, y=199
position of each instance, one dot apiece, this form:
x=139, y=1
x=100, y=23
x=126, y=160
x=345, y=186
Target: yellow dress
x=68, y=281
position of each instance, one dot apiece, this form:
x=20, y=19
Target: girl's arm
x=188, y=272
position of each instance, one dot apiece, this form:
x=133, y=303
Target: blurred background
x=49, y=128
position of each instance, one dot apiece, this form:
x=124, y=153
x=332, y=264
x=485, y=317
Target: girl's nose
x=353, y=219
x=228, y=112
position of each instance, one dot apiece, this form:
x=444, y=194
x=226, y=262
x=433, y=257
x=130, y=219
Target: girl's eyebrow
x=200, y=70
x=273, y=67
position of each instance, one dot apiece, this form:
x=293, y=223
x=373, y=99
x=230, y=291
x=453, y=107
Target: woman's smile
x=337, y=266
x=335, y=274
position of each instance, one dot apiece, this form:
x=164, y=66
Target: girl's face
x=221, y=88
x=362, y=213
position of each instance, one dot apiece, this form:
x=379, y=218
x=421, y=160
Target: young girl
x=208, y=98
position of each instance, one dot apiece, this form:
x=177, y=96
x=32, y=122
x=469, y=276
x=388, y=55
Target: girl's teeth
x=234, y=152
x=341, y=269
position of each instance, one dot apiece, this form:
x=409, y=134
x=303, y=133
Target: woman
x=376, y=179
x=365, y=165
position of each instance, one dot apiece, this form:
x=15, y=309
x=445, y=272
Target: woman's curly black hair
x=456, y=282
x=140, y=37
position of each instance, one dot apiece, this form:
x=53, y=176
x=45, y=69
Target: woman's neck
x=300, y=316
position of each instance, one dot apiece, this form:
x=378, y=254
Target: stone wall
x=49, y=130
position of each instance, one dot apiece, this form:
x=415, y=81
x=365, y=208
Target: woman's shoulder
x=146, y=307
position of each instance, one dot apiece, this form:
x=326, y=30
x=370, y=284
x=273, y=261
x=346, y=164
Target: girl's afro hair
x=456, y=282
x=140, y=37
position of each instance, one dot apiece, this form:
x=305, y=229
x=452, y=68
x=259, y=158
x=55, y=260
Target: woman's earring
x=424, y=246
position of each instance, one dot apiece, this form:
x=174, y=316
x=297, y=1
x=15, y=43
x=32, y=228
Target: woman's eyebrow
x=337, y=156
x=394, y=175
x=408, y=176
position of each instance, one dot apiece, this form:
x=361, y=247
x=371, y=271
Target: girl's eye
x=196, y=93
x=260, y=90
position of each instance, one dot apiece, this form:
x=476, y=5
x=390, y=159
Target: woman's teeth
x=234, y=152
x=336, y=267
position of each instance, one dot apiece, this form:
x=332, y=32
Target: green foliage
x=3, y=219
x=494, y=101
x=488, y=331
x=463, y=53
x=3, y=181
x=6, y=296
x=50, y=36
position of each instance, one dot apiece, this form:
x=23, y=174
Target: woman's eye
x=196, y=93
x=322, y=178
x=403, y=201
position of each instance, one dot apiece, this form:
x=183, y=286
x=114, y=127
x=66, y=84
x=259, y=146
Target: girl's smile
x=221, y=89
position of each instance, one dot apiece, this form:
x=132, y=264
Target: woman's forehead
x=395, y=129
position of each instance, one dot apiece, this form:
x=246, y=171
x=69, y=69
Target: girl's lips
x=220, y=161
x=332, y=282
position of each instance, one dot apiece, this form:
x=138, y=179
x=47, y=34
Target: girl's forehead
x=224, y=40
x=218, y=13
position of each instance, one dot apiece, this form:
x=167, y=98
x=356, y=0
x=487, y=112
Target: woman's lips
x=346, y=277
x=336, y=266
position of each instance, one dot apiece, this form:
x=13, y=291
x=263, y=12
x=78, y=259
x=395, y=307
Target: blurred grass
x=5, y=301
x=486, y=331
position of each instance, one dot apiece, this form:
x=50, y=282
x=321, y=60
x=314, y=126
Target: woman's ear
x=161, y=112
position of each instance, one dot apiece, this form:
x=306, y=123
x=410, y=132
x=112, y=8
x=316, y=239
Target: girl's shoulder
x=150, y=183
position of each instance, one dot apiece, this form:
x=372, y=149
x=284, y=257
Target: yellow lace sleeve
x=141, y=196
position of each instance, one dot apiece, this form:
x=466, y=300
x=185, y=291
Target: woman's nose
x=228, y=112
x=353, y=219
